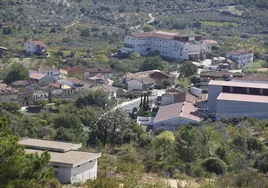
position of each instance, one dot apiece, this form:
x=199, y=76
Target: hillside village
x=147, y=106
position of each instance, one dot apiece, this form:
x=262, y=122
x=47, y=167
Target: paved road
x=129, y=105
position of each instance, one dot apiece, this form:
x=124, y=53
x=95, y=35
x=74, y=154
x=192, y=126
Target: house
x=173, y=115
x=175, y=46
x=94, y=71
x=73, y=72
x=210, y=44
x=35, y=47
x=3, y=51
x=42, y=79
x=58, y=90
x=176, y=97
x=143, y=80
x=238, y=99
x=140, y=84
x=69, y=164
x=113, y=92
x=73, y=82
x=99, y=79
x=40, y=94
x=20, y=84
x=55, y=89
x=241, y=58
x=8, y=94
x=50, y=71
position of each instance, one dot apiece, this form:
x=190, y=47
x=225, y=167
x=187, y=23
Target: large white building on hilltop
x=170, y=45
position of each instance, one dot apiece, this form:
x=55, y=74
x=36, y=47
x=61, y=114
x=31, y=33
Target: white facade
x=52, y=73
x=40, y=95
x=34, y=47
x=166, y=44
x=77, y=174
x=242, y=58
x=134, y=85
x=56, y=92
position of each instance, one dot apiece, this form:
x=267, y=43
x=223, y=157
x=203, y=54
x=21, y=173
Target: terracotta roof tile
x=36, y=76
x=40, y=43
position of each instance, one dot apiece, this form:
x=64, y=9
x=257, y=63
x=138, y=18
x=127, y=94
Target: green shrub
x=214, y=165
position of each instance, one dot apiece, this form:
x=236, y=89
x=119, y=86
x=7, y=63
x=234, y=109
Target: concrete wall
x=240, y=109
x=56, y=92
x=9, y=97
x=134, y=85
x=167, y=99
x=84, y=172
x=213, y=93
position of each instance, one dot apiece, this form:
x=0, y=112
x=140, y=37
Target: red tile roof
x=74, y=80
x=240, y=52
x=70, y=69
x=99, y=70
x=208, y=41
x=160, y=34
x=36, y=76
x=176, y=110
x=40, y=43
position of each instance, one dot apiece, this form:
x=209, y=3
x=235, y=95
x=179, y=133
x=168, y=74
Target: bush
x=214, y=165
x=145, y=140
x=262, y=163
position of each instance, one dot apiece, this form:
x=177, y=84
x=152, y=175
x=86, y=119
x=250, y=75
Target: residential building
x=238, y=99
x=41, y=79
x=210, y=44
x=63, y=90
x=169, y=45
x=8, y=94
x=111, y=91
x=73, y=82
x=94, y=71
x=173, y=115
x=143, y=80
x=98, y=79
x=73, y=72
x=50, y=71
x=40, y=94
x=241, y=58
x=3, y=51
x=35, y=47
x=70, y=165
x=140, y=84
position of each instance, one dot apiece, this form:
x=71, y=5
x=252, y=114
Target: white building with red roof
x=34, y=47
x=170, y=45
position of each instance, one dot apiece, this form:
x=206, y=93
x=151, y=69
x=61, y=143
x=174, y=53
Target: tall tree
x=17, y=72
x=188, y=143
x=18, y=169
x=188, y=69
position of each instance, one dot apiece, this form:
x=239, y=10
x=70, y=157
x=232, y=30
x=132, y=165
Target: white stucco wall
x=56, y=92
x=78, y=174
x=134, y=85
x=166, y=99
x=168, y=48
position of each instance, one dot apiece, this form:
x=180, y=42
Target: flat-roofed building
x=238, y=99
x=70, y=165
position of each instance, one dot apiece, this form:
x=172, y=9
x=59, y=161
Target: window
x=78, y=166
x=90, y=161
x=54, y=166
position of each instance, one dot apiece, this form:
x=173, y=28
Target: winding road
x=152, y=19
